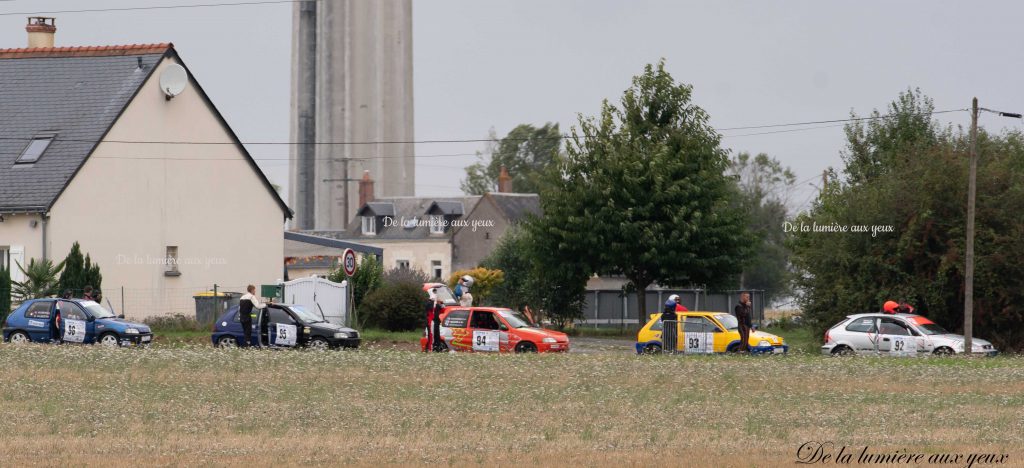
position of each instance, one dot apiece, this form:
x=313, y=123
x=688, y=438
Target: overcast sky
x=481, y=64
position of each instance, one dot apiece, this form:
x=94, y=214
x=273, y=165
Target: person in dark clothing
x=669, y=331
x=67, y=294
x=87, y=294
x=433, y=331
x=246, y=305
x=743, y=312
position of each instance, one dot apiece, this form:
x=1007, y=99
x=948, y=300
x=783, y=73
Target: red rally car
x=496, y=330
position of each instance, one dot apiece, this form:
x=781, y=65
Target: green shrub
x=395, y=306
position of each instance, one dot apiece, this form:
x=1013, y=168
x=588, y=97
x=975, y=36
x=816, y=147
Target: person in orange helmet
x=890, y=307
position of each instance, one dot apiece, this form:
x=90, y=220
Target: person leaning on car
x=246, y=304
x=743, y=312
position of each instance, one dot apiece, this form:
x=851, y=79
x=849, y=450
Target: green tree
x=764, y=188
x=79, y=272
x=40, y=279
x=642, y=192
x=369, y=276
x=512, y=256
x=912, y=176
x=525, y=152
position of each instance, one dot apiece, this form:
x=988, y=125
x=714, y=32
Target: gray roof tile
x=76, y=97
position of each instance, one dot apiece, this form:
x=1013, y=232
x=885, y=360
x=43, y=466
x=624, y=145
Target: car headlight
x=549, y=340
x=764, y=343
x=341, y=335
x=131, y=331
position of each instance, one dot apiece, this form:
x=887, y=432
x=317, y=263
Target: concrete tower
x=351, y=83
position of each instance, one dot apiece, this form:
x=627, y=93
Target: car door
x=77, y=328
x=38, y=323
x=860, y=333
x=282, y=328
x=455, y=330
x=485, y=331
x=698, y=336
x=894, y=338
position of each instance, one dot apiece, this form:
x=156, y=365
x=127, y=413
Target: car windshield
x=305, y=315
x=515, y=319
x=97, y=310
x=932, y=329
x=728, y=321
x=445, y=296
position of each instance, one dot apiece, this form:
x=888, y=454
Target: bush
x=395, y=306
x=484, y=282
x=406, y=275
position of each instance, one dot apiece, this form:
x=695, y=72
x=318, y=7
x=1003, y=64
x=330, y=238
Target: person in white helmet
x=465, y=283
x=669, y=331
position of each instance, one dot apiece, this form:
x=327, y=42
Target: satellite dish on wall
x=173, y=80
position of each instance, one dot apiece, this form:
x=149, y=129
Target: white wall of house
x=21, y=238
x=420, y=254
x=129, y=202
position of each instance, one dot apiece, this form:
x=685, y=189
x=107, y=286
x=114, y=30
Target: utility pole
x=972, y=186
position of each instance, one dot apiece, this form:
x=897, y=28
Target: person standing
x=434, y=308
x=467, y=298
x=743, y=312
x=246, y=304
x=87, y=294
x=670, y=324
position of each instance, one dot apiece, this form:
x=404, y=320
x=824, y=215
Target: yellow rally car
x=706, y=333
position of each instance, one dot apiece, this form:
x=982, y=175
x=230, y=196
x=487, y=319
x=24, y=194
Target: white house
x=157, y=189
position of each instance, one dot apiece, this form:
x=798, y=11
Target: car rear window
x=863, y=325
x=39, y=310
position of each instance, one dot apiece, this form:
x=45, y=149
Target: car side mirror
x=501, y=326
x=90, y=319
x=120, y=316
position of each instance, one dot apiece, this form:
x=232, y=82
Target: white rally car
x=897, y=335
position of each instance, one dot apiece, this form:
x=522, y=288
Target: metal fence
x=610, y=307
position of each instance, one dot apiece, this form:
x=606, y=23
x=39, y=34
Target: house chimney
x=40, y=31
x=365, y=189
x=504, y=181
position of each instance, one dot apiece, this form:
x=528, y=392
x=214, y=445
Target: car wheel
x=842, y=350
x=943, y=351
x=227, y=341
x=526, y=347
x=19, y=338
x=109, y=340
x=318, y=343
x=652, y=349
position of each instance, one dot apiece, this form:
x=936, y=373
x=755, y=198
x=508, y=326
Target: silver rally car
x=896, y=335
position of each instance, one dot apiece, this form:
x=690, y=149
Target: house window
x=369, y=226
x=34, y=150
x=5, y=257
x=402, y=264
x=435, y=267
x=436, y=224
x=171, y=261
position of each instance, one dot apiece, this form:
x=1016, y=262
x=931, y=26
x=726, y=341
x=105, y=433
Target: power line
x=851, y=119
x=836, y=123
x=156, y=7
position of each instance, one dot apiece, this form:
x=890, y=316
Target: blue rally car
x=81, y=321
x=283, y=325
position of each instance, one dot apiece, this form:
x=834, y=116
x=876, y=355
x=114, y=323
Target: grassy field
x=196, y=405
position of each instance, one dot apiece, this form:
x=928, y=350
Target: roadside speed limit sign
x=349, y=262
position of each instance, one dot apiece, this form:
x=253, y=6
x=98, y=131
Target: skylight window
x=35, y=149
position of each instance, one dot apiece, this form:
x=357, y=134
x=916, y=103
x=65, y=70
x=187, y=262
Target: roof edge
x=86, y=51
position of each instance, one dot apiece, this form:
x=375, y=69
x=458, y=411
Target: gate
x=319, y=296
